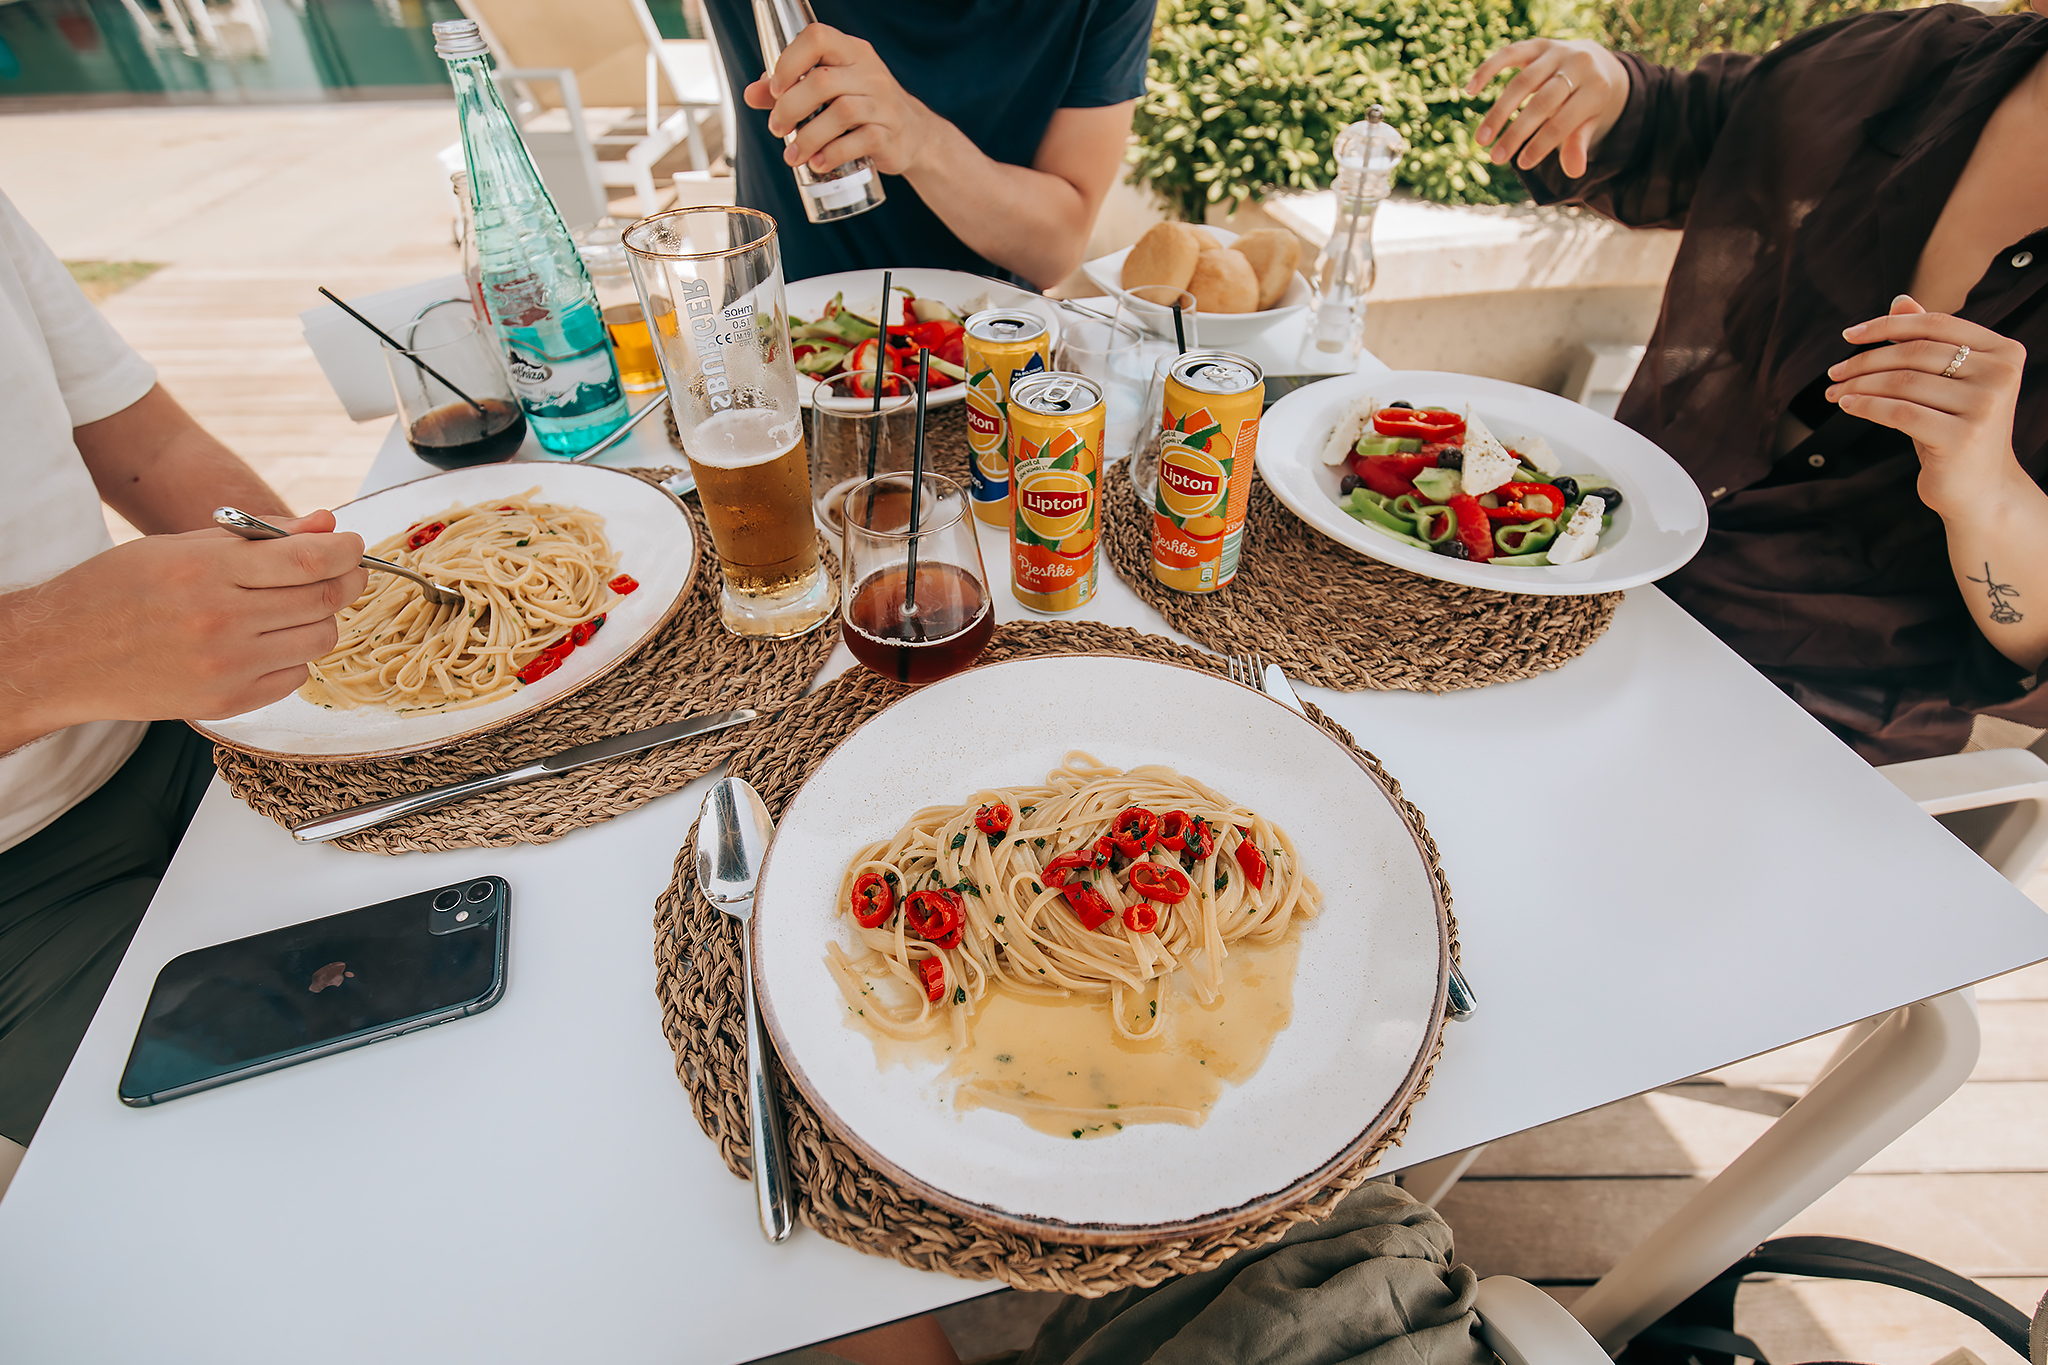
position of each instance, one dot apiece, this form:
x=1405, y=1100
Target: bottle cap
x=458, y=38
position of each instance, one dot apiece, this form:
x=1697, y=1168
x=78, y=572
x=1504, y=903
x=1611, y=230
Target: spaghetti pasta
x=532, y=574
x=1022, y=930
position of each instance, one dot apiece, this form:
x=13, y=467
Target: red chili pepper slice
x=933, y=973
x=1201, y=840
x=1155, y=883
x=1141, y=918
x=538, y=669
x=559, y=650
x=1088, y=904
x=623, y=584
x=1475, y=533
x=1513, y=495
x=874, y=900
x=1252, y=863
x=581, y=634
x=935, y=915
x=1135, y=831
x=1173, y=830
x=425, y=535
x=1101, y=852
x=1422, y=424
x=993, y=818
x=1057, y=870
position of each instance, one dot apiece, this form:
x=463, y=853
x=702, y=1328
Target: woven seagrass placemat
x=1343, y=620
x=697, y=979
x=692, y=667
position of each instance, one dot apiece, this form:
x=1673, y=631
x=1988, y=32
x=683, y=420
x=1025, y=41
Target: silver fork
x=1247, y=670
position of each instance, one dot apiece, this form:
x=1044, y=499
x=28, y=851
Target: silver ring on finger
x=1955, y=366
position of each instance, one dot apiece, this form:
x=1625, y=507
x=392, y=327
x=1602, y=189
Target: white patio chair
x=620, y=61
x=1886, y=1075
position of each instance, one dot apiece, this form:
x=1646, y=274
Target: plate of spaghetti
x=1094, y=968
x=565, y=570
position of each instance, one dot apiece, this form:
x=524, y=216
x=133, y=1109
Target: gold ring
x=1568, y=84
x=1955, y=366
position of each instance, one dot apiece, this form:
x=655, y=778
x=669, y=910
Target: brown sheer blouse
x=1807, y=182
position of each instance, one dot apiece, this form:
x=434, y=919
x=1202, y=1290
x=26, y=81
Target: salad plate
x=1368, y=992
x=1212, y=329
x=1661, y=523
x=962, y=293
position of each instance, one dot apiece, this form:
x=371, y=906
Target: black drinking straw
x=1180, y=331
x=387, y=340
x=924, y=371
x=881, y=359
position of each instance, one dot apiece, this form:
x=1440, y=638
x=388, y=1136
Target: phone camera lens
x=479, y=891
x=448, y=900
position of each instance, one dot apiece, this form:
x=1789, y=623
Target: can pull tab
x=1059, y=394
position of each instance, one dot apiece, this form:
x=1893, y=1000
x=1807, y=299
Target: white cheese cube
x=1353, y=421
x=1581, y=535
x=1537, y=454
x=1487, y=462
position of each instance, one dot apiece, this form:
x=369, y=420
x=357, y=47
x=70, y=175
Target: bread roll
x=1164, y=255
x=1273, y=252
x=1224, y=282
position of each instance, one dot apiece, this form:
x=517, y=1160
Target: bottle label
x=562, y=388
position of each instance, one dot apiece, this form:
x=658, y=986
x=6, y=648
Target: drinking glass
x=933, y=632
x=1109, y=351
x=443, y=428
x=603, y=249
x=852, y=440
x=1150, y=309
x=710, y=282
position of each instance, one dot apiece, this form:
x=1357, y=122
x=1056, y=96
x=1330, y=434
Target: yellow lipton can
x=1209, y=433
x=1003, y=345
x=1055, y=444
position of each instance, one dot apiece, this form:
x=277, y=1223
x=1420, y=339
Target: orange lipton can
x=1055, y=444
x=1209, y=434
x=1003, y=345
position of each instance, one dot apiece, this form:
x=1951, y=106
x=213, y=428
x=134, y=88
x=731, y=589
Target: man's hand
x=1960, y=422
x=1567, y=97
x=861, y=110
x=193, y=626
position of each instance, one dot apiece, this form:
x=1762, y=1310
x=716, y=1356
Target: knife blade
x=359, y=818
x=1279, y=689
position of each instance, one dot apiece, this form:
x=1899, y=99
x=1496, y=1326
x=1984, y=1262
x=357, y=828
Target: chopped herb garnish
x=1036, y=889
x=997, y=838
x=959, y=995
x=1155, y=1015
x=960, y=838
x=1222, y=880
x=999, y=919
x=1077, y=1132
x=519, y=542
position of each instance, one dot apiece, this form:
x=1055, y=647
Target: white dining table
x=1660, y=866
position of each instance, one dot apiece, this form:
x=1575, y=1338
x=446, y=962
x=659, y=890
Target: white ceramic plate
x=958, y=290
x=1213, y=330
x=648, y=530
x=1661, y=524
x=1368, y=996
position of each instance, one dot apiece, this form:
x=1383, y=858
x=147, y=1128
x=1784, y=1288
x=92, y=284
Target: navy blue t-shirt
x=995, y=69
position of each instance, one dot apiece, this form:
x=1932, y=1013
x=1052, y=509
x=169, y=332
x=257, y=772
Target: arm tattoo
x=2002, y=611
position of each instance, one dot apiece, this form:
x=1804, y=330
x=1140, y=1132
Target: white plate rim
x=1302, y=1188
x=540, y=703
x=1655, y=484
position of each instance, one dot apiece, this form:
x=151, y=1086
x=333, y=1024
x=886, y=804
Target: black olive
x=1453, y=458
x=1610, y=498
x=1349, y=482
x=1397, y=403
x=1568, y=486
x=1453, y=547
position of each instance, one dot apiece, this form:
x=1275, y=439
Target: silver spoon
x=255, y=528
x=732, y=838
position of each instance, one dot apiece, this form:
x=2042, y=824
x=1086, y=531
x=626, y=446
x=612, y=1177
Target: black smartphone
x=1278, y=386
x=257, y=1004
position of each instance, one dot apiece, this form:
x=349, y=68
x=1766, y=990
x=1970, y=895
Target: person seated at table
x=997, y=128
x=103, y=648
x=1841, y=361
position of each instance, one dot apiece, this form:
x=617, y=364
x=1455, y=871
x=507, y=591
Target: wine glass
x=916, y=605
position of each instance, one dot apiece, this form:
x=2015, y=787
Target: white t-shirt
x=61, y=366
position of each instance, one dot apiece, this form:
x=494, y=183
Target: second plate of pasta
x=566, y=570
x=1099, y=948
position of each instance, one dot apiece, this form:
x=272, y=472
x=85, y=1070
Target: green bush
x=1246, y=96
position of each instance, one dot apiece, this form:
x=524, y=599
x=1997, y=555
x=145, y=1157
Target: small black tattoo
x=2002, y=611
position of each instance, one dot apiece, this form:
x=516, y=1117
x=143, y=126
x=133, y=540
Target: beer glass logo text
x=710, y=349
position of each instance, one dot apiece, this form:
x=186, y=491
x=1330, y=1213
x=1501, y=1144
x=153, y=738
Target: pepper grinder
x=1367, y=155
x=846, y=190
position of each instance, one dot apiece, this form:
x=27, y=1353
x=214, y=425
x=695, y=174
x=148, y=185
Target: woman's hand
x=861, y=110
x=1960, y=416
x=1567, y=97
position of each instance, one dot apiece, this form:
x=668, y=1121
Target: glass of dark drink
x=445, y=428
x=915, y=607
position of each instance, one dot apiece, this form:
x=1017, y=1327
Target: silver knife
x=359, y=818
x=1463, y=1003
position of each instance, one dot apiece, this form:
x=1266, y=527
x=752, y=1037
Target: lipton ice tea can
x=1055, y=440
x=1209, y=433
x=1003, y=345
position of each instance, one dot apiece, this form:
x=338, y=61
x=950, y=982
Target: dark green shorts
x=70, y=898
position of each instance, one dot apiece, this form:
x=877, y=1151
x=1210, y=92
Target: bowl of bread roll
x=1242, y=285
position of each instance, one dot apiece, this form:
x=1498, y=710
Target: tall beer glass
x=710, y=281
